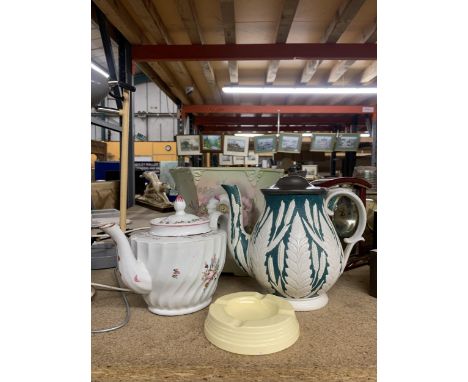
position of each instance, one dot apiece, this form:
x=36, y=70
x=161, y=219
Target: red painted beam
x=263, y=129
x=222, y=52
x=274, y=109
x=272, y=121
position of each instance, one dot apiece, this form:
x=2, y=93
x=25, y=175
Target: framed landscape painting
x=265, y=144
x=236, y=146
x=238, y=160
x=290, y=143
x=225, y=160
x=310, y=169
x=323, y=142
x=347, y=142
x=212, y=143
x=188, y=145
x=251, y=159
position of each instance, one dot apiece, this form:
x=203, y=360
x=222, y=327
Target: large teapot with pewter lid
x=176, y=264
x=294, y=250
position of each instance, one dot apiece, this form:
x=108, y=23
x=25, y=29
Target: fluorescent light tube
x=247, y=135
x=296, y=90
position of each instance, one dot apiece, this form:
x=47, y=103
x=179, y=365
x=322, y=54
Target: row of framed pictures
x=228, y=160
x=212, y=143
x=264, y=144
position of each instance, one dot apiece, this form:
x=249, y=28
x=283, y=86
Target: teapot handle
x=214, y=216
x=357, y=236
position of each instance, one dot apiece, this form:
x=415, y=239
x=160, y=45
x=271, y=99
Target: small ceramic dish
x=251, y=323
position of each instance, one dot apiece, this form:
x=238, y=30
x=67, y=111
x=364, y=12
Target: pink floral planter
x=199, y=184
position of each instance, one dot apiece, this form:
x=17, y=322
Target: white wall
x=147, y=98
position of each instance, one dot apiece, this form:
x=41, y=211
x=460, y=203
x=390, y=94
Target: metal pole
x=333, y=164
x=103, y=131
x=147, y=109
x=374, y=141
x=180, y=131
x=278, y=123
x=124, y=159
x=107, y=46
x=350, y=156
x=125, y=71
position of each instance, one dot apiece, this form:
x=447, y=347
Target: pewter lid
x=181, y=223
x=293, y=185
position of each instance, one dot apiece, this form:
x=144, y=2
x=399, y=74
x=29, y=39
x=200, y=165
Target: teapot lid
x=181, y=223
x=293, y=185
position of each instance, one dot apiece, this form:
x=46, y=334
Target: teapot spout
x=133, y=272
x=238, y=239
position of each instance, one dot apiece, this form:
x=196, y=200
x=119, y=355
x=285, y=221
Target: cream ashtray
x=251, y=323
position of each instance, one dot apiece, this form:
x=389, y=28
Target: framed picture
x=290, y=143
x=238, y=160
x=212, y=143
x=236, y=146
x=265, y=144
x=251, y=159
x=323, y=142
x=188, y=145
x=225, y=160
x=310, y=169
x=347, y=142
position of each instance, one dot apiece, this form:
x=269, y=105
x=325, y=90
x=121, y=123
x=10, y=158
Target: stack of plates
x=251, y=323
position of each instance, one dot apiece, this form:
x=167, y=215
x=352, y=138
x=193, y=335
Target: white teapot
x=176, y=264
x=294, y=250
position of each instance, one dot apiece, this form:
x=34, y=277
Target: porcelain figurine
x=294, y=250
x=155, y=192
x=176, y=264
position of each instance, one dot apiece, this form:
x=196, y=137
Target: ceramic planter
x=198, y=185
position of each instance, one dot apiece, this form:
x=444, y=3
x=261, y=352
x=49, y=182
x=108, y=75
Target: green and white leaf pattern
x=328, y=241
x=294, y=249
x=258, y=250
x=298, y=271
x=289, y=213
x=281, y=257
x=235, y=245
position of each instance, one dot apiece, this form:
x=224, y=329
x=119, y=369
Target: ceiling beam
x=274, y=109
x=118, y=15
x=188, y=14
x=221, y=52
x=369, y=35
x=176, y=67
x=229, y=24
x=335, y=29
x=369, y=73
x=149, y=29
x=286, y=20
x=218, y=120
